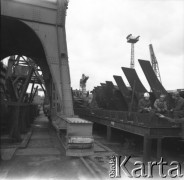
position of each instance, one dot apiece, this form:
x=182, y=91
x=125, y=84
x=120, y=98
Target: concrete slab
x=40, y=143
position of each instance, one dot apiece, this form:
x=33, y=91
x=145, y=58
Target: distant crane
x=154, y=62
x=131, y=39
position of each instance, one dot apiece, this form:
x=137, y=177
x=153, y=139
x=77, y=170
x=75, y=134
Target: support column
x=147, y=148
x=63, y=60
x=15, y=126
x=109, y=131
x=159, y=148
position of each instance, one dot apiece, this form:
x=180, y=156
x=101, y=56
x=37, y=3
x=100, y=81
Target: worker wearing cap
x=144, y=104
x=178, y=109
x=160, y=104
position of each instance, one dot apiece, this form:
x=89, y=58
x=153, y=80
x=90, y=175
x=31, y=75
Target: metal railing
x=139, y=119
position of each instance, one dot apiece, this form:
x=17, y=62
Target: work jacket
x=179, y=104
x=143, y=103
x=162, y=105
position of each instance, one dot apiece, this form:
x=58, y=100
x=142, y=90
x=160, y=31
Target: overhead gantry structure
x=36, y=30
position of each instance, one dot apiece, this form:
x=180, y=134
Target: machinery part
x=133, y=79
x=76, y=135
x=153, y=81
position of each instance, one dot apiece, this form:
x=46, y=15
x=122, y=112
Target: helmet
x=146, y=94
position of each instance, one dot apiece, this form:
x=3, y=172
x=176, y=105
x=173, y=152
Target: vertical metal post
x=109, y=131
x=132, y=98
x=31, y=94
x=10, y=65
x=15, y=128
x=32, y=98
x=147, y=148
x=25, y=85
x=132, y=56
x=63, y=60
x=159, y=148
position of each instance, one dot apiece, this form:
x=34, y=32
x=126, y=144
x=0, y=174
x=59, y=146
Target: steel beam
x=25, y=85
x=134, y=81
x=153, y=81
x=132, y=76
x=32, y=98
x=123, y=88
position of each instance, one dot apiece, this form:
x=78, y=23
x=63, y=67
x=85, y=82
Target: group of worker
x=160, y=105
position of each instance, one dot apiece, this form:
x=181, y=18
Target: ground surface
x=44, y=157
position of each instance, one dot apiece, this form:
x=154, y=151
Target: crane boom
x=154, y=62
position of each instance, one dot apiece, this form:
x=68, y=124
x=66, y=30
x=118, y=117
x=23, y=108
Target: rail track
x=98, y=163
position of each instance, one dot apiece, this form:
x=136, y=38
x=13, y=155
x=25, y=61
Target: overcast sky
x=96, y=36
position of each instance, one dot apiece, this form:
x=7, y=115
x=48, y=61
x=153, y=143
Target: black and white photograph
x=92, y=89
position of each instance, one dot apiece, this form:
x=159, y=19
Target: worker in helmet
x=160, y=104
x=144, y=104
x=178, y=109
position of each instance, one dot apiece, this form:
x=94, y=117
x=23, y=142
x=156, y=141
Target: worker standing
x=178, y=110
x=160, y=104
x=144, y=104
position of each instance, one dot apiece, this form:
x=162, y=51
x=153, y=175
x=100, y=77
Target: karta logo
x=117, y=166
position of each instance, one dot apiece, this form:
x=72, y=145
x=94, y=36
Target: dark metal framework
x=20, y=72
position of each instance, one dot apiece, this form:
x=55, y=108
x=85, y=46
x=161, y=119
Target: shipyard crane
x=131, y=39
x=154, y=62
